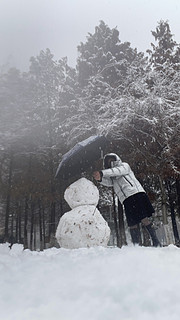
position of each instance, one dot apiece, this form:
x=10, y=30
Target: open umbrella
x=81, y=157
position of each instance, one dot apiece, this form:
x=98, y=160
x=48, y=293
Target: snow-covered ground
x=132, y=283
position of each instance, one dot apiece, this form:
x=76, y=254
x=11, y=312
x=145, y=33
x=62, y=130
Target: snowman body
x=83, y=226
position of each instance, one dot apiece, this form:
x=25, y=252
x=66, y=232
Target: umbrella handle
x=94, y=211
x=102, y=155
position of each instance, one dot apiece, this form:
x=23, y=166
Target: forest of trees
x=131, y=97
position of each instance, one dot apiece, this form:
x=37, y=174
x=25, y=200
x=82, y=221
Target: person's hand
x=96, y=175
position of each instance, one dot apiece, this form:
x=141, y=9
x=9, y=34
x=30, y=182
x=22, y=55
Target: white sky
x=28, y=26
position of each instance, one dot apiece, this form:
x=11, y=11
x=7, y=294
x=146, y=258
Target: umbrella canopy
x=81, y=157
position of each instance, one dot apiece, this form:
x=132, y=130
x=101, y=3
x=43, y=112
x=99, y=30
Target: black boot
x=153, y=236
x=136, y=235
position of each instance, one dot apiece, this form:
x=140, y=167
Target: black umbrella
x=81, y=157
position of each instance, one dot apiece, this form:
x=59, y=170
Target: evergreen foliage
x=167, y=52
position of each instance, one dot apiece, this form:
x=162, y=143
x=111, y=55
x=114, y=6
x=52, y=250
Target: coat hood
x=117, y=160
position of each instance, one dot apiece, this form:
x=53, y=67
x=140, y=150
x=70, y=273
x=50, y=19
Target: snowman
x=83, y=226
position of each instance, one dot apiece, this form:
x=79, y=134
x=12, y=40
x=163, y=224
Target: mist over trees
x=129, y=96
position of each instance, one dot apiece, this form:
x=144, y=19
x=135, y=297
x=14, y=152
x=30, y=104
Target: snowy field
x=132, y=283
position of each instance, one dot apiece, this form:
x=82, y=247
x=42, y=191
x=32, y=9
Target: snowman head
x=81, y=192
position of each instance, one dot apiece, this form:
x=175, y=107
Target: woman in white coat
x=138, y=208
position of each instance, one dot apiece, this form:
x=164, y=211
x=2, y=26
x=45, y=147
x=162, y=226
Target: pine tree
x=46, y=78
x=167, y=52
x=106, y=68
x=14, y=131
x=54, y=94
x=104, y=56
x=14, y=105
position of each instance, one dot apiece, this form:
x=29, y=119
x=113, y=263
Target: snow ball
x=4, y=247
x=81, y=192
x=17, y=249
x=82, y=227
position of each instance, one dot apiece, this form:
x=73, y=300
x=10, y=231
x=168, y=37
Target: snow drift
x=132, y=283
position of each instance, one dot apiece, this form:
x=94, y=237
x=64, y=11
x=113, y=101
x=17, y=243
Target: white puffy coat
x=122, y=179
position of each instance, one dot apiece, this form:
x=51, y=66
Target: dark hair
x=107, y=161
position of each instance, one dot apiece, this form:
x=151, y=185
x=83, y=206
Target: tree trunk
x=12, y=238
x=173, y=218
x=32, y=226
x=19, y=223
x=52, y=219
x=164, y=201
x=43, y=228
x=53, y=204
x=17, y=226
x=25, y=223
x=8, y=200
x=115, y=222
x=121, y=225
x=35, y=237
x=40, y=227
x=178, y=195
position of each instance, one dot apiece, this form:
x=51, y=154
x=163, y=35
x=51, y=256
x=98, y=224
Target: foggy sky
x=28, y=26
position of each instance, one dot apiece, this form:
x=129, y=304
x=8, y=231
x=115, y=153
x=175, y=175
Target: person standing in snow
x=138, y=208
